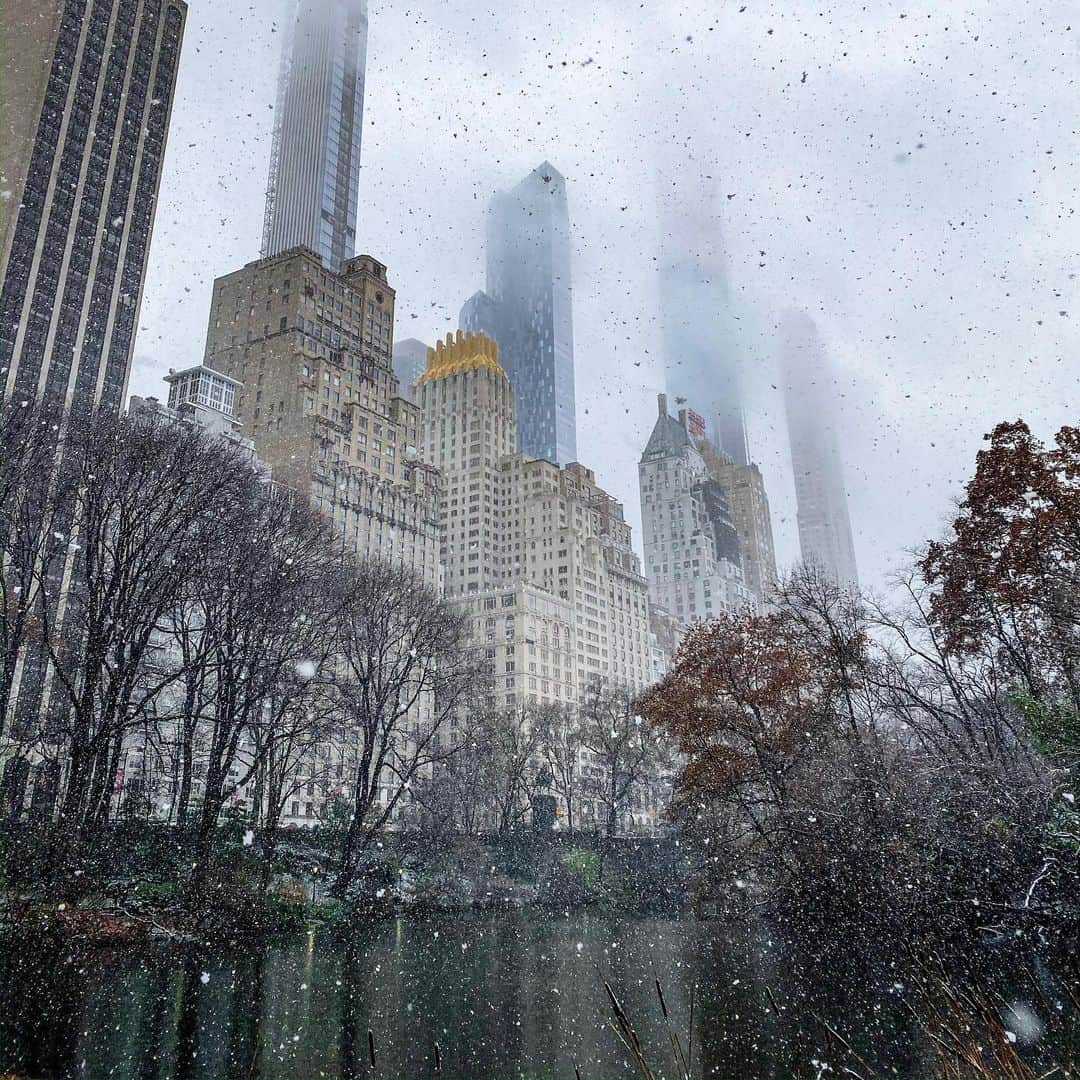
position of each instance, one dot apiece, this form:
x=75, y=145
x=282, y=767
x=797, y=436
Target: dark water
x=504, y=995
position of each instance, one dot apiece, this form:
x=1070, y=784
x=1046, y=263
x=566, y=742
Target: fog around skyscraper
x=856, y=193
x=527, y=307
x=703, y=353
x=315, y=153
x=410, y=359
x=813, y=404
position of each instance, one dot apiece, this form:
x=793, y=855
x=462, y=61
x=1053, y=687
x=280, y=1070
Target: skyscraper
x=811, y=397
x=692, y=558
x=315, y=158
x=527, y=310
x=410, y=360
x=464, y=382
x=701, y=344
x=88, y=91
x=538, y=555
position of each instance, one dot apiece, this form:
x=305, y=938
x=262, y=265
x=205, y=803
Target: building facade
x=88, y=91
x=314, y=180
x=692, y=553
x=527, y=309
x=665, y=634
x=744, y=487
x=811, y=397
x=467, y=431
x=207, y=399
x=539, y=556
x=321, y=401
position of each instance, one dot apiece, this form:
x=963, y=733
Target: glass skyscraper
x=527, y=310
x=410, y=362
x=315, y=158
x=88, y=89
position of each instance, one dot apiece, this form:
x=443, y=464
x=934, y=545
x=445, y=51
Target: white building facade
x=538, y=557
x=521, y=535
x=692, y=558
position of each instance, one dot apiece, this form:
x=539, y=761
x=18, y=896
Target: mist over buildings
x=885, y=178
x=812, y=405
x=313, y=185
x=703, y=350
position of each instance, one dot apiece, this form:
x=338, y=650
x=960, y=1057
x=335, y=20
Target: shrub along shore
x=144, y=887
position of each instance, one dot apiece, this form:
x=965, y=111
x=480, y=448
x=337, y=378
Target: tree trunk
x=183, y=799
x=188, y=727
x=347, y=871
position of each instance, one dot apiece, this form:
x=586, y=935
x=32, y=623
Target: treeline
x=594, y=767
x=163, y=603
x=903, y=769
x=183, y=642
x=186, y=643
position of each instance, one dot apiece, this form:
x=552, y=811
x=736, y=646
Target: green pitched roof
x=668, y=439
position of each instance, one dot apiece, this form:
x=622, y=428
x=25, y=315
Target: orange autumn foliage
x=740, y=701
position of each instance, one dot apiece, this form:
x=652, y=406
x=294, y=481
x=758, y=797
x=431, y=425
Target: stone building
x=207, y=399
x=537, y=556
x=521, y=535
x=692, y=556
x=321, y=401
x=744, y=487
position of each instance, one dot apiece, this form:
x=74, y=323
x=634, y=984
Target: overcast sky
x=908, y=170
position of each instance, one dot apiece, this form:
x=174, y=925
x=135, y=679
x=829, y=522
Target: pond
x=503, y=995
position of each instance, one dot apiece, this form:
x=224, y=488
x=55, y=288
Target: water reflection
x=501, y=995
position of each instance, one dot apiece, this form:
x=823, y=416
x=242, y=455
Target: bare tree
x=295, y=744
x=455, y=797
x=507, y=779
x=560, y=735
x=190, y=639
x=142, y=516
x=625, y=752
x=269, y=599
x=496, y=766
x=403, y=671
